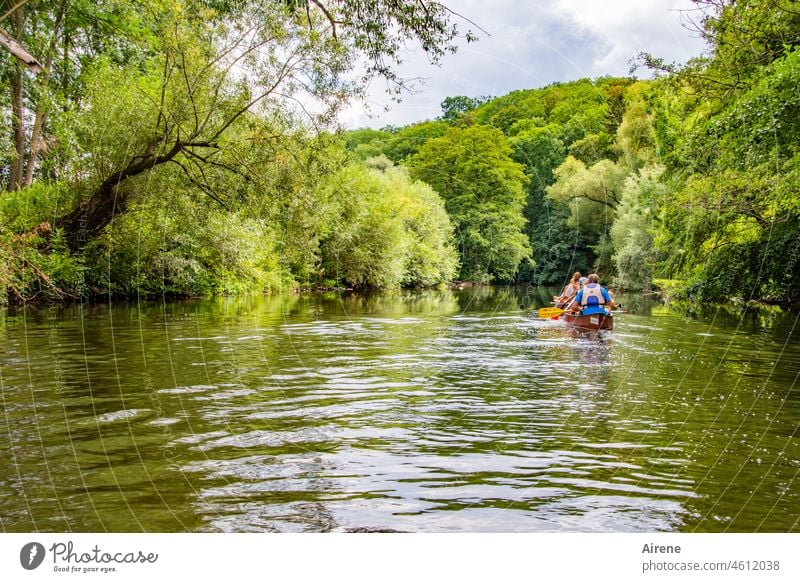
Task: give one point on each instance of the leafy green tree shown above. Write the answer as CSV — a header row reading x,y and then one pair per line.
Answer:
x,y
726,126
630,234
593,148
366,143
408,140
182,246
264,237
209,68
540,151
380,29
380,162
598,186
455,107
387,231
483,187
284,185
743,37
63,35
635,136
593,194
188,104
578,108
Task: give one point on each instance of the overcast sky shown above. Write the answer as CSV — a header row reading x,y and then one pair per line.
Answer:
x,y
533,43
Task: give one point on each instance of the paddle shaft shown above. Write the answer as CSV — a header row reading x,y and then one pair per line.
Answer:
x,y
548,312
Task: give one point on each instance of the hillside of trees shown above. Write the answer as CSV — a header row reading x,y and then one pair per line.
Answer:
x,y
691,177
173,152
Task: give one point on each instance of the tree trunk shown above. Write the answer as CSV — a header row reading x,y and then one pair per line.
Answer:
x,y
17,129
36,140
17,115
41,108
89,219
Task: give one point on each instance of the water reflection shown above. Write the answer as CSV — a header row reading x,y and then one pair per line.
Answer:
x,y
413,411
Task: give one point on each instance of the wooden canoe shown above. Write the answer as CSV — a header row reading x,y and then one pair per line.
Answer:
x,y
589,322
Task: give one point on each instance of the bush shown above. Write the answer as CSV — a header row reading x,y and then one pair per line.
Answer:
x,y
192,249
35,263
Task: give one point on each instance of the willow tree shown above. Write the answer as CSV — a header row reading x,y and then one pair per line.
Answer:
x,y
206,71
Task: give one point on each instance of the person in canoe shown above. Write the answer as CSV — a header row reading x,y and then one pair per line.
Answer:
x,y
569,291
592,299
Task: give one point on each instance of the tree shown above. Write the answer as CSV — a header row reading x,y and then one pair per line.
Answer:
x,y
483,189
366,143
630,233
745,36
186,105
593,195
386,231
455,107
540,150
64,34
407,141
211,68
379,30
725,126
635,135
600,185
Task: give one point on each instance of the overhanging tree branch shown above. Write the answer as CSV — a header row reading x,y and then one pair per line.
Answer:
x,y
11,45
328,15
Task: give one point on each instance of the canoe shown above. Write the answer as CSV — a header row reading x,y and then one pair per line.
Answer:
x,y
589,322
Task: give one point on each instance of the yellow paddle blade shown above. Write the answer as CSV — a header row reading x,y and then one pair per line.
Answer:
x,y
548,312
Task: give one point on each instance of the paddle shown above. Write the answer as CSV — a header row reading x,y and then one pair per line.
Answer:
x,y
548,312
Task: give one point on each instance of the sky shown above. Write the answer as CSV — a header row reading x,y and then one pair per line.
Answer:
x,y
532,44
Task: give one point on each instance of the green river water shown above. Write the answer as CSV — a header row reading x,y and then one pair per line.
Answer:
x,y
435,411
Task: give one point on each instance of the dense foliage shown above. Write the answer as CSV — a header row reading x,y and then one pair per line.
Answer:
x,y
729,220
692,177
145,161
386,231
180,148
482,187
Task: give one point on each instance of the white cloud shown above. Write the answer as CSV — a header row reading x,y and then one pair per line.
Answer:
x,y
631,26
532,44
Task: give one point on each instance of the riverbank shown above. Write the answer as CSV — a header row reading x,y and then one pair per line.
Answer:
x,y
671,290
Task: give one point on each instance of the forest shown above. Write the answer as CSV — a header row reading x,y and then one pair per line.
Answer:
x,y
176,149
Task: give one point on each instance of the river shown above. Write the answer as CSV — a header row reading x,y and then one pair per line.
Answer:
x,y
434,411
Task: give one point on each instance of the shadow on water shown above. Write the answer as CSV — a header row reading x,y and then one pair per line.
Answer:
x,y
438,410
